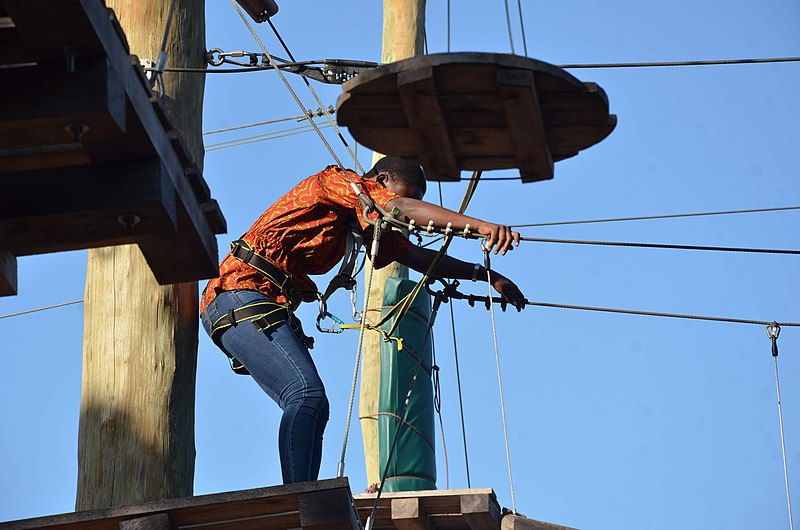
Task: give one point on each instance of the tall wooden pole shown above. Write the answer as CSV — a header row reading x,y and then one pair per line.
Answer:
x,y
136,435
403,37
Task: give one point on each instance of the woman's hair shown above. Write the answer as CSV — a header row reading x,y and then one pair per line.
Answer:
x,y
401,170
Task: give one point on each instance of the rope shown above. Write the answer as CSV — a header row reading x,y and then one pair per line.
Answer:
x,y
773,330
161,61
256,124
648,217
376,235
371,518
660,314
285,82
437,405
448,28
262,137
508,22
662,246
683,63
41,309
499,378
765,60
458,371
522,27
404,422
319,101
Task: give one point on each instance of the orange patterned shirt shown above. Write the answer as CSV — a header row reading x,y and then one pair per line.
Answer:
x,y
305,232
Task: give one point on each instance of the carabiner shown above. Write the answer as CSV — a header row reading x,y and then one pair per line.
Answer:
x,y
353,299
322,316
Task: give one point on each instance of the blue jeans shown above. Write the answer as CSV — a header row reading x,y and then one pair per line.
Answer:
x,y
283,368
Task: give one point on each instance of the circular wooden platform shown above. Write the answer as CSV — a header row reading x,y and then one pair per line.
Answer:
x,y
475,111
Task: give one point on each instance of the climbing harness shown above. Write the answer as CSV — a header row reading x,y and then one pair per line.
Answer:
x,y
264,316
242,251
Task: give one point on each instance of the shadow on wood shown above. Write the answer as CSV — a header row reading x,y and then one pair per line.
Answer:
x,y
88,157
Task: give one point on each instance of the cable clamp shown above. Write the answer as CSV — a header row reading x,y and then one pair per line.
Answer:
x,y
773,330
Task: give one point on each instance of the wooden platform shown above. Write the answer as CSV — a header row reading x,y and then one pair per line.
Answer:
x,y
322,505
475,111
465,509
88,157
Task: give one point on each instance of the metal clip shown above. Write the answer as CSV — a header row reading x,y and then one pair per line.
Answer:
x,y
357,316
333,329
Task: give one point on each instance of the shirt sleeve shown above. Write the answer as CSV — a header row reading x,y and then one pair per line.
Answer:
x,y
335,191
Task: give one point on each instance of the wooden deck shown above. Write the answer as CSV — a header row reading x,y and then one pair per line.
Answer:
x,y
463,509
475,111
88,156
322,505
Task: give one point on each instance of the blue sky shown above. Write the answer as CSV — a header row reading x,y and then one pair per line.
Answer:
x,y
614,421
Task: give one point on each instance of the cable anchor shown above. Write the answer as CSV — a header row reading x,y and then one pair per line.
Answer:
x,y
773,331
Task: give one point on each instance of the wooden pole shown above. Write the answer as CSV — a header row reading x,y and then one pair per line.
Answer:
x,y
403,37
136,435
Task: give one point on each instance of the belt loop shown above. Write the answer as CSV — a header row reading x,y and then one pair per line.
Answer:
x,y
232,317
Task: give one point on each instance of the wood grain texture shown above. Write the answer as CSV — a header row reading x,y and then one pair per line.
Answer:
x,y
276,508
136,435
403,37
475,111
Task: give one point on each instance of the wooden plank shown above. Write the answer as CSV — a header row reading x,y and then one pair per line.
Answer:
x,y
8,273
327,510
518,522
431,135
525,122
476,107
159,521
38,102
82,206
408,514
200,510
114,48
47,28
481,511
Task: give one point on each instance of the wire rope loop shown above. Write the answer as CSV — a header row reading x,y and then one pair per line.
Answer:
x,y
773,330
210,57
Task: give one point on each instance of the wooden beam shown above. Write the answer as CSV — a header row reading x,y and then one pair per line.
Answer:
x,y
518,522
409,514
82,206
8,273
481,511
159,521
115,49
46,32
39,103
525,122
226,510
327,510
417,90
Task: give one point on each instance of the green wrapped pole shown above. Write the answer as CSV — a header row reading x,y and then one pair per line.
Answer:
x,y
413,463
